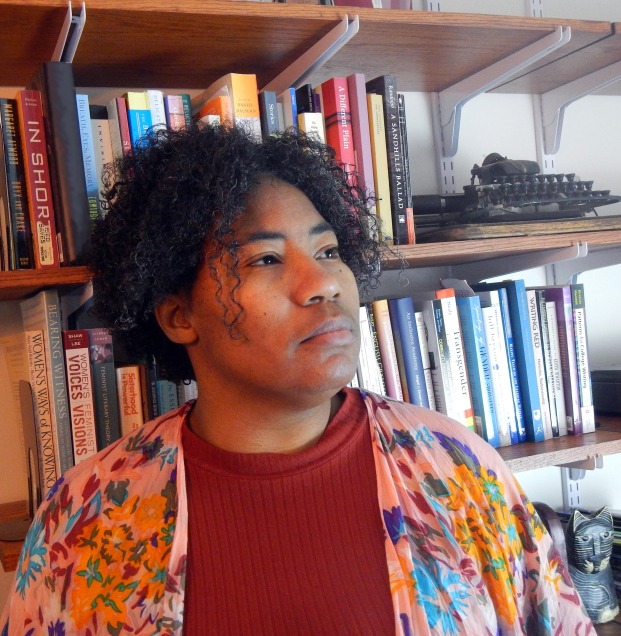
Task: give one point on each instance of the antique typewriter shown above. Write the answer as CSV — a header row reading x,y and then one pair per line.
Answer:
x,y
507,191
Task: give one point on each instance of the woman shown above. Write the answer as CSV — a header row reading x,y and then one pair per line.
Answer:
x,y
279,502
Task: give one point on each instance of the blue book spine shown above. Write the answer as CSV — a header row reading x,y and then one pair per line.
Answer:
x,y
139,124
524,356
515,384
477,360
268,109
88,156
402,309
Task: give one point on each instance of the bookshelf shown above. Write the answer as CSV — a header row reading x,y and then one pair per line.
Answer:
x,y
188,44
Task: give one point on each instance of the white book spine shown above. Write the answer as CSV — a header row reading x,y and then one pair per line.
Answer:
x,y
557,378
424,352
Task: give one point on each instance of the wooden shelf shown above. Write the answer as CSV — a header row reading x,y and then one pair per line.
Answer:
x,y
567,449
9,550
25,282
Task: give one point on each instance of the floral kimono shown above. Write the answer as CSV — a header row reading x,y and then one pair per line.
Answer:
x,y
466,554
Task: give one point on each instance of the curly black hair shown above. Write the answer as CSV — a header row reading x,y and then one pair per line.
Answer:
x,y
179,189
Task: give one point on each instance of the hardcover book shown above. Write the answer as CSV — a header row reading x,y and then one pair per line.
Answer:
x,y
42,312
403,130
107,422
54,81
80,390
38,185
48,468
386,86
13,198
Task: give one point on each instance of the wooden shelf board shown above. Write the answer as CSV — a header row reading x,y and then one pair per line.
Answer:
x,y
9,550
19,284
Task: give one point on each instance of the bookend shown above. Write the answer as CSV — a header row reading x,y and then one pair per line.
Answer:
x,y
16,529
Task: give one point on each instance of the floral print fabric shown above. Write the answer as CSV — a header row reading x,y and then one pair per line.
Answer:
x,y
466,554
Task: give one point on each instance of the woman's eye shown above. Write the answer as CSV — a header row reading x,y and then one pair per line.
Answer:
x,y
331,253
268,259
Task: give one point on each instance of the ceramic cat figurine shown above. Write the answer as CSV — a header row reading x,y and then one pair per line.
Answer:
x,y
589,547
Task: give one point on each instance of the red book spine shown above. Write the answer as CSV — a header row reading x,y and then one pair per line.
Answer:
x,y
337,116
38,184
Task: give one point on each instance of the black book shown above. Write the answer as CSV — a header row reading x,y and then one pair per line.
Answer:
x,y
55,82
386,86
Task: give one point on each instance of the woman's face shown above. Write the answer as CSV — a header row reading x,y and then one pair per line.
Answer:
x,y
299,301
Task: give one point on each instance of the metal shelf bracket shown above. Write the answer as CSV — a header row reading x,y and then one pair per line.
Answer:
x,y
70,33
305,65
554,102
451,100
562,273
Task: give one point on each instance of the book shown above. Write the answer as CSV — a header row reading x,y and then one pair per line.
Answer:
x,y
107,422
148,390
167,399
305,99
55,83
217,110
268,112
407,180
582,357
241,88
376,348
369,371
187,108
38,185
288,109
424,354
175,112
479,369
386,86
538,351
88,156
130,398
186,390
43,312
13,190
80,390
379,154
561,296
547,359
555,368
48,469
313,125
336,109
524,355
157,107
403,320
120,136
102,145
356,86
387,349
138,115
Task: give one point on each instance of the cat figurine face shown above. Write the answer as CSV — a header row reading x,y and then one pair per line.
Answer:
x,y
589,540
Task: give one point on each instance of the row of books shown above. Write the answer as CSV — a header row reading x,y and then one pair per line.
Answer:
x,y
508,361
82,398
55,143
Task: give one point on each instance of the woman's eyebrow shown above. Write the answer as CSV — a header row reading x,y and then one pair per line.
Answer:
x,y
267,235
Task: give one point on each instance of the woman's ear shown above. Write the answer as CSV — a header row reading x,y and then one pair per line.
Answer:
x,y
173,318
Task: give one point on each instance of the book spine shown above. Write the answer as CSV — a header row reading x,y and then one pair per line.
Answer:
x,y
175,115
387,349
186,390
379,152
101,351
19,232
479,370
100,131
501,383
407,179
187,109
130,398
336,109
312,125
513,368
556,373
268,110
305,99
56,84
120,137
166,396
386,86
547,359
402,314
41,207
244,94
396,337
582,357
421,332
374,355
155,99
288,105
37,367
138,115
88,156
356,86
80,389
535,330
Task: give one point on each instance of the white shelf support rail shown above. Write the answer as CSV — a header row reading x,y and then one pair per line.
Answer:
x,y
297,72
63,35
451,100
534,8
76,26
567,271
505,265
554,102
